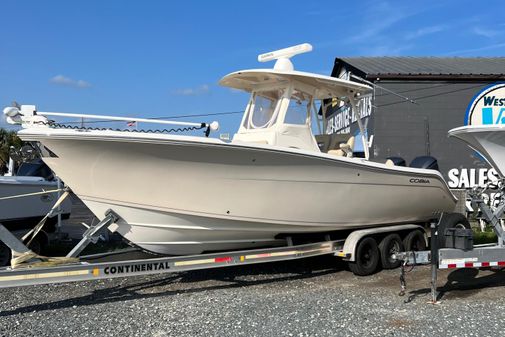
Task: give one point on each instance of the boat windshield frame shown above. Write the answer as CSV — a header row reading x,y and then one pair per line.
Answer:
x,y
281,97
306,100
253,108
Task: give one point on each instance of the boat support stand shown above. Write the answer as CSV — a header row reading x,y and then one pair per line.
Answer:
x,y
92,234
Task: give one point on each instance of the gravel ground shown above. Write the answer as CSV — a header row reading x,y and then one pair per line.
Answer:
x,y
311,297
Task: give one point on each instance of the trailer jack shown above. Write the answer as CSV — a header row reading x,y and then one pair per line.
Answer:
x,y
414,258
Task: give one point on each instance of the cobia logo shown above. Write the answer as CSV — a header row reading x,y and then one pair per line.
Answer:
x,y
487,107
419,181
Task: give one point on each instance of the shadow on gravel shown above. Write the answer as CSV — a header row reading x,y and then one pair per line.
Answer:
x,y
235,277
463,283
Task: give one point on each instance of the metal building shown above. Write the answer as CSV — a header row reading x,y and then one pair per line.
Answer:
x,y
416,101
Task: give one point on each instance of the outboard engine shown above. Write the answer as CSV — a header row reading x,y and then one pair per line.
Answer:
x,y
425,162
398,161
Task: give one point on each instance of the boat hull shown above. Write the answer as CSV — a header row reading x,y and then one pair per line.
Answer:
x,y
179,196
25,212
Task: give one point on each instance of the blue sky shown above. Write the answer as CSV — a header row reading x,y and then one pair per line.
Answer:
x,y
164,58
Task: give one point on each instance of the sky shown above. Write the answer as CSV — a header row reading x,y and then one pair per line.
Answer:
x,y
165,58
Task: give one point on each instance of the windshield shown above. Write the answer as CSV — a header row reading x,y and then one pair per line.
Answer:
x,y
262,112
298,109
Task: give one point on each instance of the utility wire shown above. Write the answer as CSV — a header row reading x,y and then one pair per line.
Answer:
x,y
436,95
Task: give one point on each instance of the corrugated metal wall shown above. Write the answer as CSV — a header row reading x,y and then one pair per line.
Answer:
x,y
408,130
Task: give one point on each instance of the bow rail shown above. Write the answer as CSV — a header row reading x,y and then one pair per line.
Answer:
x,y
28,115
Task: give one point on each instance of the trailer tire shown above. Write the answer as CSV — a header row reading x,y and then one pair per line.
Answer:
x,y
367,257
390,245
5,255
414,241
451,220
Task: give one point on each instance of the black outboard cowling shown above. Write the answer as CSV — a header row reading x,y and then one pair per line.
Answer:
x,y
398,161
425,162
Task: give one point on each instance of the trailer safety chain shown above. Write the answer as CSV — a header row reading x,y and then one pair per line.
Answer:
x,y
403,272
53,124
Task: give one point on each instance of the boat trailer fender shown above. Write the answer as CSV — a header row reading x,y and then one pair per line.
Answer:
x,y
351,242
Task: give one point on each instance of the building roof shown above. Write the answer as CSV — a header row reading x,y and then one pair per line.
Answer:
x,y
423,67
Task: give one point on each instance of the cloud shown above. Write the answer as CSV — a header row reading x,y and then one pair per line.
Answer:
x,y
69,82
380,17
424,31
388,49
200,90
379,30
380,22
478,49
489,33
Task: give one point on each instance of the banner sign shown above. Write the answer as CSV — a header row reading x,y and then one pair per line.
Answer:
x,y
487,107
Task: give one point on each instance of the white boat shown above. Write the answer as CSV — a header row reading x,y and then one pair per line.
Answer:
x,y
179,194
26,211
488,140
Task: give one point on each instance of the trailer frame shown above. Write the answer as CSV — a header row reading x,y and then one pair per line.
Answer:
x,y
84,271
75,269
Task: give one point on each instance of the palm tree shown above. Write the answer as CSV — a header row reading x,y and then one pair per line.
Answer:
x,y
7,139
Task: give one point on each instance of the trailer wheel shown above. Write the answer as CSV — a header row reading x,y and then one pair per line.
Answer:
x,y
367,257
451,220
414,241
390,245
5,255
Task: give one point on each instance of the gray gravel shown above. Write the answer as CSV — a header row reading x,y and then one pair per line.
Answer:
x,y
312,297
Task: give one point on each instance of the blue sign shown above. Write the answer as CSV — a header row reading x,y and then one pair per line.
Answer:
x,y
487,107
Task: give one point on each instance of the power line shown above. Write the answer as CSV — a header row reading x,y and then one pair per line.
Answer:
x,y
435,94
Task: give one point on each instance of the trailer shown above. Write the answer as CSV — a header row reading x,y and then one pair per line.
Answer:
x,y
366,250
451,244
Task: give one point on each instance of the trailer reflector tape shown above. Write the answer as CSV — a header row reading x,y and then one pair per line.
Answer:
x,y
471,265
342,254
193,262
456,261
43,275
204,261
280,254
